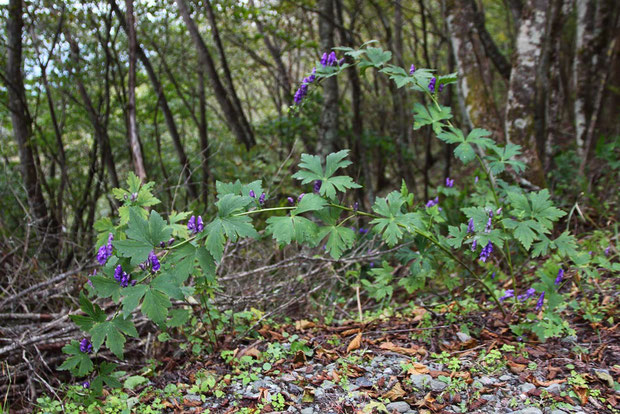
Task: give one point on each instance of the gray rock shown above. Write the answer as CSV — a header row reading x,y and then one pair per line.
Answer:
x,y
327,385
506,378
363,382
295,389
307,410
528,410
319,393
420,381
399,406
557,412
487,380
463,337
554,389
488,397
438,386
526,387
192,397
388,371
433,366
477,384
569,339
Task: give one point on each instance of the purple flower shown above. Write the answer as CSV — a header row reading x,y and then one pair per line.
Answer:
x,y
86,346
154,261
431,203
195,224
371,264
449,182
489,225
486,252
476,180
528,294
105,251
441,87
470,226
317,186
412,69
309,79
171,241
261,199
356,206
431,85
301,93
540,302
331,59
86,384
290,200
508,294
341,62
559,277
125,280
252,194
324,59
498,212
300,197
363,230
134,197
607,250
118,273
493,275
474,244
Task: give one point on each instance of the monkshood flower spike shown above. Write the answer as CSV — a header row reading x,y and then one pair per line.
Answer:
x,y
449,182
508,294
85,346
105,251
153,261
470,226
528,294
540,302
486,252
560,276
261,199
431,85
412,69
195,224
317,186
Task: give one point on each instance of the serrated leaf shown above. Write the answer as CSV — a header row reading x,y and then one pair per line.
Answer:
x,y
106,287
430,115
309,202
134,381
132,297
155,305
178,317
311,170
457,234
340,239
286,229
79,363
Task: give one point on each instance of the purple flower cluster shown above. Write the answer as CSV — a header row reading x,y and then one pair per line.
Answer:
x,y
86,384
363,230
153,261
317,186
300,197
303,88
86,346
541,300
105,251
559,277
331,60
431,203
470,226
489,226
449,182
122,277
261,199
474,245
508,294
290,200
607,250
168,243
412,69
486,252
431,85
528,294
252,194
195,224
441,87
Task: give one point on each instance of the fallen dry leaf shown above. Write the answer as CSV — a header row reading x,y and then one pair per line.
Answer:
x,y
355,343
395,393
582,392
389,346
419,314
349,332
304,324
516,368
418,368
538,383
253,352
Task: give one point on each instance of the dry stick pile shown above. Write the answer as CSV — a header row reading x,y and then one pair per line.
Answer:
x,y
252,274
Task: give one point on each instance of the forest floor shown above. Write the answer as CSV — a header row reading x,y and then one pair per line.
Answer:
x,y
413,362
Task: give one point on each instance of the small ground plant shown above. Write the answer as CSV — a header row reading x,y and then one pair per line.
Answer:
x,y
156,265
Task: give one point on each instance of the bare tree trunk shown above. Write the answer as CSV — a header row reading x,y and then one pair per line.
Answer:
x,y
522,92
490,48
136,150
21,121
203,132
233,117
163,104
475,95
328,123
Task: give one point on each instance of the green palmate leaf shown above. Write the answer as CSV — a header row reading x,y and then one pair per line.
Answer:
x,y
430,116
480,216
106,376
543,210
112,333
79,363
311,169
106,287
525,231
399,75
393,222
566,245
381,285
178,317
155,305
457,235
142,235
168,284
340,239
292,228
207,263
505,156
464,151
309,202
132,297
447,79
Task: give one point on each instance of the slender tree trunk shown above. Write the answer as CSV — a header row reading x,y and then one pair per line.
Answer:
x,y
21,121
203,132
475,95
233,117
522,91
328,123
490,48
163,104
136,150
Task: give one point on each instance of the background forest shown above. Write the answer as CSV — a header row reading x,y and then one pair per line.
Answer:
x,y
193,94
